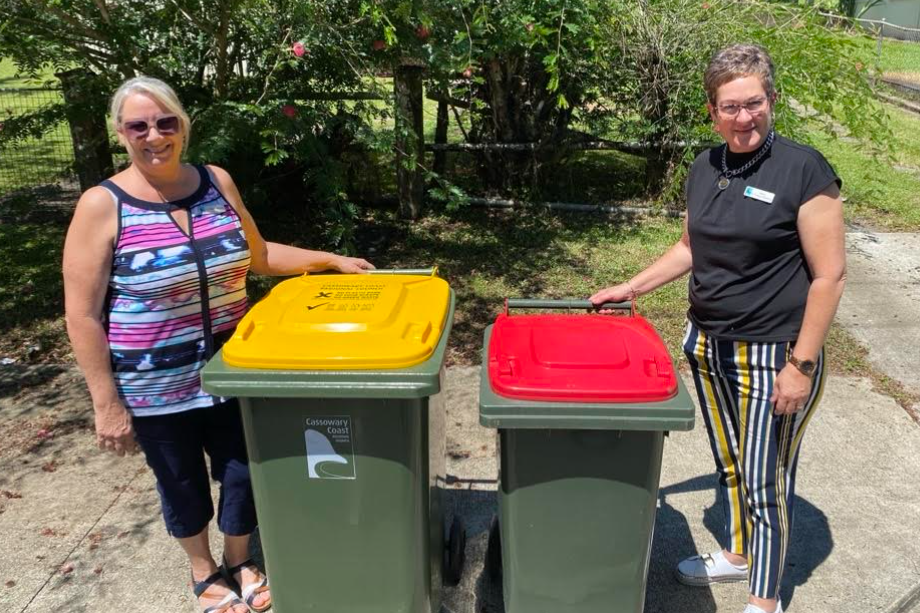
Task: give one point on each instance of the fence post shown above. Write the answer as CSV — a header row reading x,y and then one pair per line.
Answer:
x,y
85,109
878,53
410,139
440,137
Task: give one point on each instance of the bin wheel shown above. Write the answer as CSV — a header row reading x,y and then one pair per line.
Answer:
x,y
454,553
494,551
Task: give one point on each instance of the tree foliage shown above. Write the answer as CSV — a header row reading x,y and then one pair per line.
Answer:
x,y
274,113
261,78
666,45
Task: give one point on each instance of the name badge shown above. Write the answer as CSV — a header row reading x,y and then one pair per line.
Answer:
x,y
759,194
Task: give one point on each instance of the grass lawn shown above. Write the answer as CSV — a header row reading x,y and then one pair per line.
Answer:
x,y
906,127
896,56
900,56
31,291
880,192
8,77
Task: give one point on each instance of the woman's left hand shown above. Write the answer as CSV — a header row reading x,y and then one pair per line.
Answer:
x,y
790,391
349,265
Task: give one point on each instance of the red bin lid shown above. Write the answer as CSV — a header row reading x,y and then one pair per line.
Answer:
x,y
579,358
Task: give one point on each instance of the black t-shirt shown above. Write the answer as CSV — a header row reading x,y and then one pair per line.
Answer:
x,y
750,279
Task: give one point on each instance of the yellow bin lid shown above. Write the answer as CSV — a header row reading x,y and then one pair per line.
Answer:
x,y
342,322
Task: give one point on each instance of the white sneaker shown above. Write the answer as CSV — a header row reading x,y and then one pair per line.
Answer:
x,y
710,568
755,609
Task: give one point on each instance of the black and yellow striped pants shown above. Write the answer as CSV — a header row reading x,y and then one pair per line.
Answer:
x,y
756,452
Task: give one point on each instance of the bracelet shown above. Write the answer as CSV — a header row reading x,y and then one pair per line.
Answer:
x,y
632,290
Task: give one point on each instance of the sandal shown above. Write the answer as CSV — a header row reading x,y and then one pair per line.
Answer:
x,y
230,600
710,568
249,591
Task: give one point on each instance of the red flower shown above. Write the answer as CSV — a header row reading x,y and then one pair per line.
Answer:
x,y
290,110
422,33
298,49
379,45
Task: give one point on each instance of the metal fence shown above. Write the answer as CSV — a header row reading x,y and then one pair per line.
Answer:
x,y
896,48
897,55
33,161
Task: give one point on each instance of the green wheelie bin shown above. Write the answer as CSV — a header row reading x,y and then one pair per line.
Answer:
x,y
340,381
582,403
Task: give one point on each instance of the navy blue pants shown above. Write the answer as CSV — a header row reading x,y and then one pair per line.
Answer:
x,y
175,446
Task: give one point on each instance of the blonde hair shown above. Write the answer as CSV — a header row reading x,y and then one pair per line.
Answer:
x,y
737,61
159,92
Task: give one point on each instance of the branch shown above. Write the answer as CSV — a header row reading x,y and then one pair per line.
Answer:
x,y
103,10
204,27
268,77
347,42
223,30
466,136
437,97
559,31
85,47
72,21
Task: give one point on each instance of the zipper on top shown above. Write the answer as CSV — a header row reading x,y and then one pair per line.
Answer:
x,y
203,288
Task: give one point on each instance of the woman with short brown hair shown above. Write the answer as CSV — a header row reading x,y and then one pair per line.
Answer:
x,y
764,242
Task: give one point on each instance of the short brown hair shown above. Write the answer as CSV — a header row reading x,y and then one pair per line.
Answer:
x,y
736,61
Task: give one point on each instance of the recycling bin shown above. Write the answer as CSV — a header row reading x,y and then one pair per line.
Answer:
x,y
582,403
340,381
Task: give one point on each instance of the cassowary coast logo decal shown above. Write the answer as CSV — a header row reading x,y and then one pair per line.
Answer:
x,y
330,449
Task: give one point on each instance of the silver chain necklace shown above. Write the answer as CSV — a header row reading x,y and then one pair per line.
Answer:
x,y
726,177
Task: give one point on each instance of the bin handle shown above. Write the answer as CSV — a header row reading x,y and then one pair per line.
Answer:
x,y
425,272
549,303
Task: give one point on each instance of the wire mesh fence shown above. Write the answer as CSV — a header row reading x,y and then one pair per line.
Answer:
x,y
895,49
892,50
897,54
32,157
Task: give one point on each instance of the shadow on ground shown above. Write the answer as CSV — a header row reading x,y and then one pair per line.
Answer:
x,y
812,543
810,546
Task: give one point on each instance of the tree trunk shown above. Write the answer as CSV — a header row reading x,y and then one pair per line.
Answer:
x,y
222,42
440,138
86,109
410,140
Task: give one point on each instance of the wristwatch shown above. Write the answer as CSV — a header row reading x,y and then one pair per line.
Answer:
x,y
806,367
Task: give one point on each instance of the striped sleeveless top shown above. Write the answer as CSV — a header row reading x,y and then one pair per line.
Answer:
x,y
173,298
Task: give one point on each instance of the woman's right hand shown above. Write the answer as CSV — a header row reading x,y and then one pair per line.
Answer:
x,y
113,428
615,293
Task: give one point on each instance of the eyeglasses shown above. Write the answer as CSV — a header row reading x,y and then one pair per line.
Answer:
x,y
753,107
167,125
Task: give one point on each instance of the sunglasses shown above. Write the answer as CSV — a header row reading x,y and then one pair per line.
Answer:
x,y
166,125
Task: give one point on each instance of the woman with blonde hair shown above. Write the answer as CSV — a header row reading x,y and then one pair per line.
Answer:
x,y
763,242
155,266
